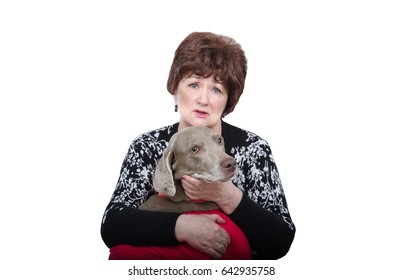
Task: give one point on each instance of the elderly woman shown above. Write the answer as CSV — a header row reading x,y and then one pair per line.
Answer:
x,y
206,80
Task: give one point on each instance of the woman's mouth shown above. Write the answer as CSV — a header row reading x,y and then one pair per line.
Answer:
x,y
200,114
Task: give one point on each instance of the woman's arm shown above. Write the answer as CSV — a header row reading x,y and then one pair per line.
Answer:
x,y
263,212
122,222
139,228
269,235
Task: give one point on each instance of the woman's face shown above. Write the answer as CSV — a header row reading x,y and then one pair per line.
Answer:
x,y
201,102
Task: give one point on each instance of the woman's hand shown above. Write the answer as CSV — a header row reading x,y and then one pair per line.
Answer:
x,y
203,234
226,195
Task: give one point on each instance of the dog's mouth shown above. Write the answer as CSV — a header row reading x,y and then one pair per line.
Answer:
x,y
228,178
213,179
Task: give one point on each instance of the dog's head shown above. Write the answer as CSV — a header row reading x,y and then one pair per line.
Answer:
x,y
195,151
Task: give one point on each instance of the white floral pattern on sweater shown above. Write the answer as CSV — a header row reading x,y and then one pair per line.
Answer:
x,y
257,174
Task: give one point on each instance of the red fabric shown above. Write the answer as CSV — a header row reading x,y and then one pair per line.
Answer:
x,y
239,248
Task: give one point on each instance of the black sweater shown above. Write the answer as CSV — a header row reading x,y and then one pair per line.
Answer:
x,y
262,213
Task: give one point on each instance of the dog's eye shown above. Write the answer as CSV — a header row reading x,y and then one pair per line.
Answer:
x,y
195,149
220,141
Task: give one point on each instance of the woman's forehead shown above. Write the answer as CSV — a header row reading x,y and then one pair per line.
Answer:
x,y
200,76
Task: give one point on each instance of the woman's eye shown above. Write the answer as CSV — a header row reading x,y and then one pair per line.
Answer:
x,y
194,149
193,85
217,90
220,141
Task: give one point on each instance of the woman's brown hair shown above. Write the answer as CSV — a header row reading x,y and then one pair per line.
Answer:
x,y
206,54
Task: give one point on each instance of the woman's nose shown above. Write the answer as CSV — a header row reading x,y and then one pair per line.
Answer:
x,y
203,97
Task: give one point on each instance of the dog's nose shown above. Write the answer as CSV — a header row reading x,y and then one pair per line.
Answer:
x,y
229,164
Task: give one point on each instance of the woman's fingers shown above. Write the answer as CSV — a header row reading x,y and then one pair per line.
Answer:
x,y
202,233
216,218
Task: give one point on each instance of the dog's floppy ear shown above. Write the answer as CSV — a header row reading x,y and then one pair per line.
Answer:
x,y
163,180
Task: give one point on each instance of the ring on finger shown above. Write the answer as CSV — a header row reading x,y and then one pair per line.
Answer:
x,y
200,187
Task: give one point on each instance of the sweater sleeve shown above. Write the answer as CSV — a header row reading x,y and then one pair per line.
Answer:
x,y
268,234
263,213
122,222
139,228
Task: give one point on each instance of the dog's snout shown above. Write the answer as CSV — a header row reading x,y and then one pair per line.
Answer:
x,y
229,164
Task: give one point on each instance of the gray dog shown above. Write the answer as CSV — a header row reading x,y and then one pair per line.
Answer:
x,y
196,151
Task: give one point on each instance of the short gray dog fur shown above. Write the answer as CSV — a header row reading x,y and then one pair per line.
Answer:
x,y
196,151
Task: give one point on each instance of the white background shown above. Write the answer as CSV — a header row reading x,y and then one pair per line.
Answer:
x,y
80,79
